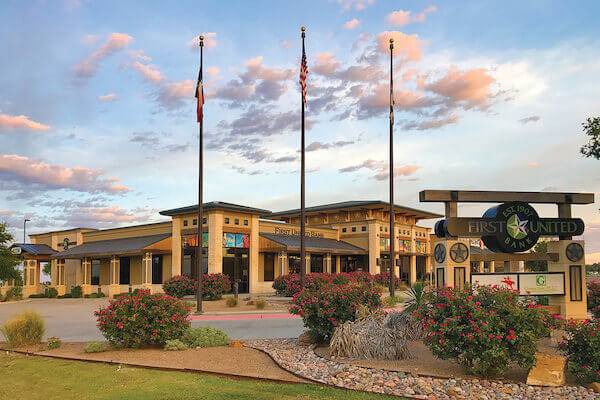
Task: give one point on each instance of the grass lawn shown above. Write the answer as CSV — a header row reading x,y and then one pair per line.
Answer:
x,y
29,377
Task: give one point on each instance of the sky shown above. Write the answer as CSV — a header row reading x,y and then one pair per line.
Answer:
x,y
97,110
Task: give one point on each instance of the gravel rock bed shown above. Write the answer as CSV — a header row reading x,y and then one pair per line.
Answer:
x,y
303,361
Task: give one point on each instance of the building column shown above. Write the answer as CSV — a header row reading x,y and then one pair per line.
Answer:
x,y
60,277
412,273
481,266
214,227
307,266
176,247
374,246
573,304
253,257
147,271
492,267
86,275
114,288
337,264
282,263
327,262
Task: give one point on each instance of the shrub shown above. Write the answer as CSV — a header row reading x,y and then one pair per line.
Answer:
x,y
215,286
95,346
143,319
289,285
383,279
392,301
179,286
175,345
53,343
231,301
37,296
65,296
593,298
484,328
76,292
24,330
204,336
14,293
52,293
582,347
324,309
260,303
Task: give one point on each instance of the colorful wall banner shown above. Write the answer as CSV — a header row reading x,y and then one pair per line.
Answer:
x,y
237,240
191,240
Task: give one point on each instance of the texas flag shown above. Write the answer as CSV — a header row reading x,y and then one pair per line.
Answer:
x,y
199,96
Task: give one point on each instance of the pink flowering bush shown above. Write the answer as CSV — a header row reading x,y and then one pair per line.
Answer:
x,y
383,279
582,347
484,328
593,298
214,286
143,319
324,309
289,285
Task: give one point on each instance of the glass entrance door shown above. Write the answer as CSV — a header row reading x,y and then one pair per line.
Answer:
x,y
236,265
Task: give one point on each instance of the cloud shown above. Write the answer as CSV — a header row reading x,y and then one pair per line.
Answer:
x,y
352,24
533,118
88,67
150,73
268,90
401,17
378,101
264,122
434,123
213,72
234,90
20,122
210,41
470,88
314,146
107,216
533,164
35,175
286,45
354,4
326,64
255,70
171,95
382,169
108,98
406,46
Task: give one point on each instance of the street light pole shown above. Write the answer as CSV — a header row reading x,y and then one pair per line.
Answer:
x,y
25,221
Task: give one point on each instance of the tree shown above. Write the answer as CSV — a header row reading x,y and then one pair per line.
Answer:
x,y
538,266
8,260
591,127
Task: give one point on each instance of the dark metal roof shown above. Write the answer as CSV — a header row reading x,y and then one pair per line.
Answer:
x,y
215,205
351,204
115,247
479,250
35,249
313,243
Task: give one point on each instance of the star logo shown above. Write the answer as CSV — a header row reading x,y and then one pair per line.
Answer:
x,y
517,228
459,252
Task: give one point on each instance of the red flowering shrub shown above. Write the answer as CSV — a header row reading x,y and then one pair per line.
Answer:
x,y
582,347
143,319
383,279
179,286
324,309
289,285
484,328
593,298
214,286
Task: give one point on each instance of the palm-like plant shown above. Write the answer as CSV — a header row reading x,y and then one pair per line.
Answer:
x,y
416,297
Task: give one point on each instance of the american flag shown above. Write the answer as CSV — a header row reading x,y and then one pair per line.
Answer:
x,y
303,73
199,96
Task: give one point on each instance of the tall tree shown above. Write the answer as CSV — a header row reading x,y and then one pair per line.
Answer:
x,y
538,266
591,127
8,260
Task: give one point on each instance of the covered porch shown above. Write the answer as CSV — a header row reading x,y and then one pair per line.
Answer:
x,y
33,256
116,266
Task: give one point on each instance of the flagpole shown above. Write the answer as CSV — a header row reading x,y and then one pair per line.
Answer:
x,y
302,192
392,230
200,178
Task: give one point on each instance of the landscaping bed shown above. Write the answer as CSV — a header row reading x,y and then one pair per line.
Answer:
x,y
242,306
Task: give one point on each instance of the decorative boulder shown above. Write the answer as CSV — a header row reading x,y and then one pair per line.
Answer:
x,y
548,371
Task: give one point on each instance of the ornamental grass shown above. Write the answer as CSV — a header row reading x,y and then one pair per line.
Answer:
x,y
24,330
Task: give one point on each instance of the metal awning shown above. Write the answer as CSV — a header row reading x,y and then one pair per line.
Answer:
x,y
314,244
117,247
35,249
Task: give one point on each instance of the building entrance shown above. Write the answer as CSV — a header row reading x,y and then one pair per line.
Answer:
x,y
236,265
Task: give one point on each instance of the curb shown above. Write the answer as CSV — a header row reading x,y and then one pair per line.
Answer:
x,y
241,317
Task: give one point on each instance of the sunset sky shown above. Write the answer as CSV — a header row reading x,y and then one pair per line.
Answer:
x,y
97,119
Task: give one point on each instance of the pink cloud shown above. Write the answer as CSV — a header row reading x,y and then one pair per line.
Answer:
x,y
171,94
108,97
434,123
326,64
150,73
382,169
286,45
213,71
470,87
20,122
29,172
352,24
255,70
407,46
88,67
401,17
354,4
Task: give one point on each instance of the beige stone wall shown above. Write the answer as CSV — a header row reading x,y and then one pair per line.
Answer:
x,y
127,232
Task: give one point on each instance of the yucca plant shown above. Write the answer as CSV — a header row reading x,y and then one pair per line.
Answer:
x,y
416,297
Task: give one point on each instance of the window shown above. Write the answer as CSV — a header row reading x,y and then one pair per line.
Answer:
x,y
236,221
459,277
203,221
185,222
195,221
381,229
386,228
343,229
157,270
124,273
95,278
439,277
364,229
246,222
353,229
575,282
269,267
226,220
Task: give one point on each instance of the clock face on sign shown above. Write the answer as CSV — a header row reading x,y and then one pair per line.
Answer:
x,y
439,253
459,252
574,252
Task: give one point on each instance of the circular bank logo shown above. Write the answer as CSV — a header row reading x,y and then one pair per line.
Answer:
x,y
516,222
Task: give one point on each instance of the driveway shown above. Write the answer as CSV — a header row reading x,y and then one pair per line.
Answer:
x,y
72,320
